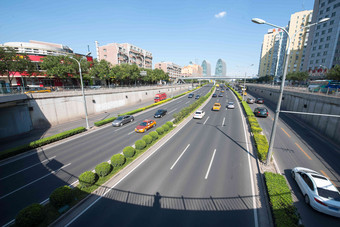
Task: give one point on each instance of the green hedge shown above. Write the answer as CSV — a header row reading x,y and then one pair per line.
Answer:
x,y
87,179
129,152
31,215
140,144
166,127
261,145
103,169
61,196
170,124
248,110
147,139
38,143
285,214
160,130
105,121
118,160
154,135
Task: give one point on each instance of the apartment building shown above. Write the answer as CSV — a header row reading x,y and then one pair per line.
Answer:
x,y
124,53
171,68
192,71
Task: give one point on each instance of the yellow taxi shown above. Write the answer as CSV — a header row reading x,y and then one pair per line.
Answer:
x,y
217,106
145,125
222,91
37,90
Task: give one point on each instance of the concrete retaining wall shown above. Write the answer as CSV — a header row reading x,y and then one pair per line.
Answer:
x,y
310,103
48,111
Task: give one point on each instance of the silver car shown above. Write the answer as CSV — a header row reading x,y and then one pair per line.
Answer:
x,y
123,120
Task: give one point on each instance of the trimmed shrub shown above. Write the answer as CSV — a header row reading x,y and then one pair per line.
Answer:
x,y
87,179
166,127
285,214
118,160
103,169
154,135
31,215
105,121
170,124
160,130
140,144
147,139
261,145
248,110
61,196
129,152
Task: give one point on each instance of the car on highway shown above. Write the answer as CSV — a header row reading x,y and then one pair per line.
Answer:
x,y
145,125
231,105
214,95
216,106
318,191
260,112
199,114
197,97
190,95
220,95
222,91
259,101
250,100
160,113
121,120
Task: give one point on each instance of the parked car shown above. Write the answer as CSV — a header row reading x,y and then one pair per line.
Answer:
x,y
260,112
216,106
160,113
123,120
214,95
197,97
190,95
231,105
145,125
259,101
250,100
318,191
199,114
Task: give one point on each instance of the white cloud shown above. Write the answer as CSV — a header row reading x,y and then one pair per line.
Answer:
x,y
221,14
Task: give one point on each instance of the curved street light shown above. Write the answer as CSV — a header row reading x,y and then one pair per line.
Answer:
x,y
277,111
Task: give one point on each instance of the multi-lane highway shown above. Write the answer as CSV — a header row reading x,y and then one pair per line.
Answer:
x,y
32,177
203,176
297,144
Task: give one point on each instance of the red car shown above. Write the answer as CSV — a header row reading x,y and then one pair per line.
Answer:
x,y
145,125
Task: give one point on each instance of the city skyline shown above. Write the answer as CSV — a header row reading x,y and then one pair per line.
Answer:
x,y
196,30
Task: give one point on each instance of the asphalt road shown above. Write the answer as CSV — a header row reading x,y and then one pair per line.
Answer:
x,y
297,144
32,177
202,176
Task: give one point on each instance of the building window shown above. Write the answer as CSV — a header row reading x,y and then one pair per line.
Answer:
x,y
324,53
328,8
324,24
336,5
328,38
330,30
323,32
330,1
316,41
321,12
333,14
331,22
105,56
323,60
323,4
326,45
316,61
320,47
313,55
311,62
318,27
104,50
321,40
314,48
318,54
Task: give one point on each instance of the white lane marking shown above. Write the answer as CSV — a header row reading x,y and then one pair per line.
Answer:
x,y
211,161
131,132
187,102
206,120
179,157
223,121
250,170
34,181
28,168
120,128
173,110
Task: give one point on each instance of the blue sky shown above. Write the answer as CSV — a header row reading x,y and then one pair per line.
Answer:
x,y
177,31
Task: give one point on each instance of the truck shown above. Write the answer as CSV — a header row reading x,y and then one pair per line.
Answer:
x,y
160,97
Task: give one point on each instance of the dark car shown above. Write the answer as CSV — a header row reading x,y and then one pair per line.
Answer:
x,y
214,95
123,120
190,95
160,113
197,97
261,112
259,101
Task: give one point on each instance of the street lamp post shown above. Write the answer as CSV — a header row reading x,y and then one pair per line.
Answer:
x,y
82,91
277,111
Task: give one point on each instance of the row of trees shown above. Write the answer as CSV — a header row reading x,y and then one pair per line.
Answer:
x,y
64,68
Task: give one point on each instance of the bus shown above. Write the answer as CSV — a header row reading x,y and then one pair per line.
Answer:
x,y
324,86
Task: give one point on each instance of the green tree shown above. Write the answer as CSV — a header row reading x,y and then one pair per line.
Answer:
x,y
297,76
101,70
12,62
334,73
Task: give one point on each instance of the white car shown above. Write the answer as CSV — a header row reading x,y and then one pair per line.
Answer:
x,y
231,105
199,114
318,191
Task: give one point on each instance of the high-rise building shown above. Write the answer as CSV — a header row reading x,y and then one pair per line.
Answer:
x,y
124,53
298,43
192,70
206,68
323,47
171,68
221,68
